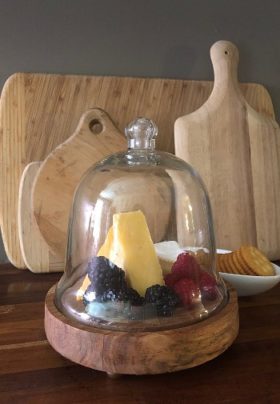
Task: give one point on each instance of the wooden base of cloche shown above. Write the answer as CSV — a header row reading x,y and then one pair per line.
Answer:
x,y
124,352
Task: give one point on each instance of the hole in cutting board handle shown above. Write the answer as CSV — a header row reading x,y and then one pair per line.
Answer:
x,y
95,126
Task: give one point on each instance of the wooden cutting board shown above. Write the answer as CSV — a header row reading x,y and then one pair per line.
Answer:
x,y
35,251
237,152
95,137
40,111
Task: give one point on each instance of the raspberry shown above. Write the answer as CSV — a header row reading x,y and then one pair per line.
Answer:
x,y
185,266
208,286
171,279
187,279
187,290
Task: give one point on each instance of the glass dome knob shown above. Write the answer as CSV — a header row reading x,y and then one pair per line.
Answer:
x,y
141,134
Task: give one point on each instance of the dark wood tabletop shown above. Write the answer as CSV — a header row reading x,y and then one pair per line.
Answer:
x,y
32,372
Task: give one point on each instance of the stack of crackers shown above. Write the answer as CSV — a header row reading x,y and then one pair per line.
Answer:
x,y
247,260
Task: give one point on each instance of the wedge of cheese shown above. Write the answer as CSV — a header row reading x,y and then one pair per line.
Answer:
x,y
129,246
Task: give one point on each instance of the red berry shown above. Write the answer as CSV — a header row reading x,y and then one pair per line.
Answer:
x,y
171,279
187,290
208,286
187,266
188,280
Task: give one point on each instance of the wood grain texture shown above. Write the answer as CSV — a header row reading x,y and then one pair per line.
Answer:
x,y
35,251
31,371
128,352
236,150
62,170
40,111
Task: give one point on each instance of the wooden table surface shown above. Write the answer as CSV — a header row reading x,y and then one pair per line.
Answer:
x,y
32,372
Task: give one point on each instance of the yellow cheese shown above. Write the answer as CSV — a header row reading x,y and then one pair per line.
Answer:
x,y
107,246
129,246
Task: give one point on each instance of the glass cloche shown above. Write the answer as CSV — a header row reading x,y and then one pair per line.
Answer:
x,y
141,247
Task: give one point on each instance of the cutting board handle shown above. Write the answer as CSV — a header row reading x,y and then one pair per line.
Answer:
x,y
225,57
97,121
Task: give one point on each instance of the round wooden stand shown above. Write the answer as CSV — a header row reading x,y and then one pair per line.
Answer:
x,y
124,352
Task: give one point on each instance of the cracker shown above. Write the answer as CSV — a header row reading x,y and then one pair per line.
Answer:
x,y
237,264
202,257
232,265
257,261
245,269
225,263
219,262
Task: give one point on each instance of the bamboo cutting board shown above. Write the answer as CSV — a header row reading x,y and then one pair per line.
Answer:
x,y
35,251
40,111
236,150
95,137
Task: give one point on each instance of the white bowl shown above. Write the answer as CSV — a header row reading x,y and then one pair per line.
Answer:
x,y
249,285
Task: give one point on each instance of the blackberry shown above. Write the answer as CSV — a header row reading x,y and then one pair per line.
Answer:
x,y
134,297
163,298
89,295
105,276
122,295
110,295
97,264
108,284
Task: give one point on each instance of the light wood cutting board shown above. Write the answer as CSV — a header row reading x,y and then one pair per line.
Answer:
x,y
35,251
236,150
94,138
62,170
40,111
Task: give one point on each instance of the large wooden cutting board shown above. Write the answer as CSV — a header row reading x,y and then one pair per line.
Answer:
x,y
59,175
35,251
39,111
237,152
